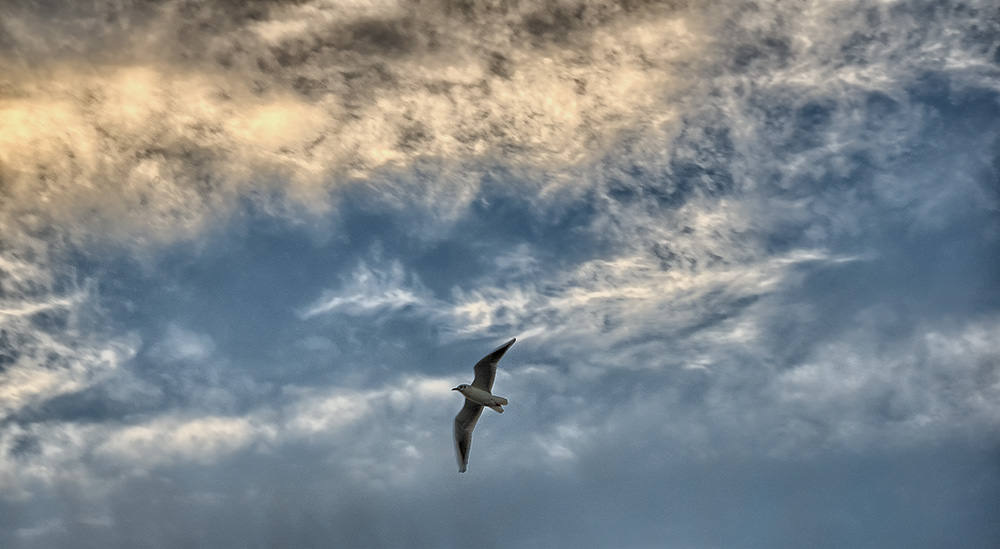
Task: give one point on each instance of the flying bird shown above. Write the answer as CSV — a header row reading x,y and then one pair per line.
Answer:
x,y
477,395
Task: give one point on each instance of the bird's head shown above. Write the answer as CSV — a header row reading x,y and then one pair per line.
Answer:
x,y
461,387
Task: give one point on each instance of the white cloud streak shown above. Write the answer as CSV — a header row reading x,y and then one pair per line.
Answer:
x,y
89,453
371,291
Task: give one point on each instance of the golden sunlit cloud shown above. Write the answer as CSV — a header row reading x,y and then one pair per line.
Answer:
x,y
154,148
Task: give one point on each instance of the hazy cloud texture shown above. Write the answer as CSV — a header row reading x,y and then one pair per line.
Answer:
x,y
749,251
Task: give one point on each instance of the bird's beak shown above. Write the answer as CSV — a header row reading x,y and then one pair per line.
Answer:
x,y
454,388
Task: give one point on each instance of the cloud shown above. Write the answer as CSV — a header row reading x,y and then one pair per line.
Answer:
x,y
179,344
853,394
388,417
154,145
371,291
724,234
163,441
46,346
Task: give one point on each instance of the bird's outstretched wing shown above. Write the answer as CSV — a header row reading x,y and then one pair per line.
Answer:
x,y
486,369
465,422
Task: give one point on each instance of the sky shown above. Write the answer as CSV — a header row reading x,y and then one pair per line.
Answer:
x,y
750,252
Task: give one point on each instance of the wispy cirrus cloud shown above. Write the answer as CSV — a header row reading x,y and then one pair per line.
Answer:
x,y
46,347
371,291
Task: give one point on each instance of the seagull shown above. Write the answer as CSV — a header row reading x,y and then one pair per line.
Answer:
x,y
477,395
